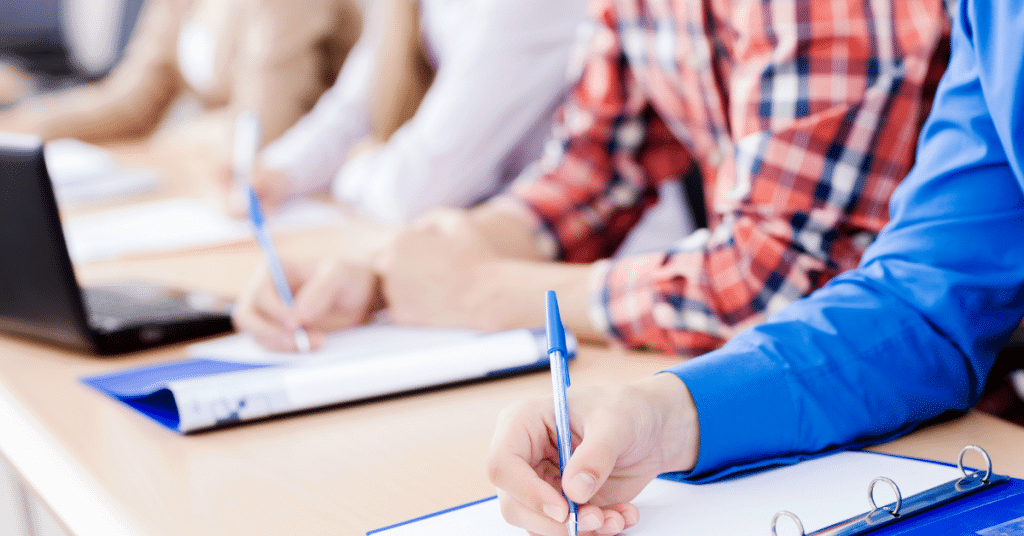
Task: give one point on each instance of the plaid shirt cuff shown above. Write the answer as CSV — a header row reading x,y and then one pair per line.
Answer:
x,y
630,305
623,300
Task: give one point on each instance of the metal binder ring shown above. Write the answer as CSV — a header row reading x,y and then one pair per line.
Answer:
x,y
791,515
871,495
988,461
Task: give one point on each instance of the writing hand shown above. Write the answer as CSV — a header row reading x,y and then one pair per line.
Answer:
x,y
329,295
624,435
432,273
270,185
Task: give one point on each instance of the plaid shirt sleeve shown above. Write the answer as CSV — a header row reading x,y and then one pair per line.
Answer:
x,y
600,170
819,124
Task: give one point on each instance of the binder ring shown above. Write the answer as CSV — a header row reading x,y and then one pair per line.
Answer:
x,y
988,461
791,515
871,495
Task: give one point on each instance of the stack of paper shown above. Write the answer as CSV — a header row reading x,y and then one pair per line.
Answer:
x,y
83,173
176,224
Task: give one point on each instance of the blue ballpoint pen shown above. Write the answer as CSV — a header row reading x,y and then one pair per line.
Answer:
x,y
247,142
557,351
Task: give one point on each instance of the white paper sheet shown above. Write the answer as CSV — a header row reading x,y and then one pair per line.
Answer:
x,y
177,224
83,173
349,344
821,492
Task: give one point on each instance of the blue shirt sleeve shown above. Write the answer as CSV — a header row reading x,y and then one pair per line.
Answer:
x,y
913,331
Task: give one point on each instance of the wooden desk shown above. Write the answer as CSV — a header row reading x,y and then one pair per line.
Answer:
x,y
106,470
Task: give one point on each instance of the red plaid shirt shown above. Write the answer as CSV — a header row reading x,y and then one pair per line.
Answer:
x,y
802,116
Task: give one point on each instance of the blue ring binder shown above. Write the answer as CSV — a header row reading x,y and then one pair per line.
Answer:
x,y
881,516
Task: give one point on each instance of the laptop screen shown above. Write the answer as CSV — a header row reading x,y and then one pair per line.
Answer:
x,y
39,295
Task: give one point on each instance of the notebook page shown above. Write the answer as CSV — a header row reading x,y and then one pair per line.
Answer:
x,y
83,173
177,224
821,492
348,344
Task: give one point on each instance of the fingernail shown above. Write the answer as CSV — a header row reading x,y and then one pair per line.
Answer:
x,y
612,527
631,516
555,512
588,522
582,485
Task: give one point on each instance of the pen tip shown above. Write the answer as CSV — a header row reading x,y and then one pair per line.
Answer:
x,y
302,342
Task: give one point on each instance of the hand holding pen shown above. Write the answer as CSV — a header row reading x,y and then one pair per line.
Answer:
x,y
332,294
247,142
628,434
558,358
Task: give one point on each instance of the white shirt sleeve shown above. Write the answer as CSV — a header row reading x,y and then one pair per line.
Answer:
x,y
485,115
311,152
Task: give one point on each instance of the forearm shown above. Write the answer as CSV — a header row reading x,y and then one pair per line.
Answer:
x,y
506,293
127,102
125,105
522,274
910,334
510,231
478,269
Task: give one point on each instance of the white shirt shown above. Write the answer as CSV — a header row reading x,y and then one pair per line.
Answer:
x,y
500,75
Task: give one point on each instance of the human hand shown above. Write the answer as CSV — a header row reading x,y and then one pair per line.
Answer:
x,y
624,436
445,270
14,85
430,272
270,185
9,122
329,295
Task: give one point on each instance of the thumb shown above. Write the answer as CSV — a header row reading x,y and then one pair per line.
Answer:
x,y
594,459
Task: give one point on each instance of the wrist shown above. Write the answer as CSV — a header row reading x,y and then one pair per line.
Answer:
x,y
510,230
680,430
519,287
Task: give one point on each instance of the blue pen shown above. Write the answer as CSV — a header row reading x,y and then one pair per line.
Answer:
x,y
557,351
247,142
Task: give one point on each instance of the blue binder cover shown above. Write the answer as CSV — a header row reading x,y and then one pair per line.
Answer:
x,y
144,388
248,384
997,511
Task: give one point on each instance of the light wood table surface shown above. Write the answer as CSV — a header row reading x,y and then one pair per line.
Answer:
x,y
344,470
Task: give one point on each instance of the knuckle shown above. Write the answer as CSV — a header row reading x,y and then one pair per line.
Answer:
x,y
495,470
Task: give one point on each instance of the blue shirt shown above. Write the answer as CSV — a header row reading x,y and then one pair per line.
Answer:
x,y
913,331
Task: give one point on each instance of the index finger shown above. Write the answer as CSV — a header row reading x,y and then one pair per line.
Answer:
x,y
524,463
261,298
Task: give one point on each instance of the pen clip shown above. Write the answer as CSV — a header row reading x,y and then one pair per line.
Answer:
x,y
556,333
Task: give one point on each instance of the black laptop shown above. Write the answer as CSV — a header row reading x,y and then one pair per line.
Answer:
x,y
39,295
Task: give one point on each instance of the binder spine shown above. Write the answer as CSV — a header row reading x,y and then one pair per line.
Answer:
x,y
902,508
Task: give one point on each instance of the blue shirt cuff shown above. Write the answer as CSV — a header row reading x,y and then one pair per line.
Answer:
x,y
744,409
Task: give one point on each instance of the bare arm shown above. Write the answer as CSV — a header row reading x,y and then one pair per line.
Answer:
x,y
128,102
